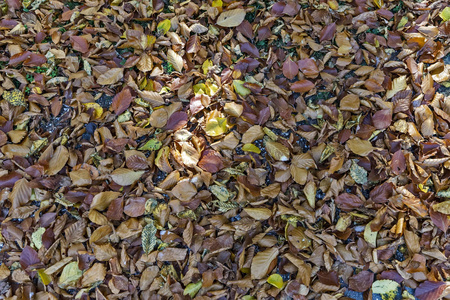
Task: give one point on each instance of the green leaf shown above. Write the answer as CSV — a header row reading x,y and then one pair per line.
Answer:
x,y
445,14
45,279
276,280
164,26
251,148
248,297
359,174
149,237
192,289
151,145
240,88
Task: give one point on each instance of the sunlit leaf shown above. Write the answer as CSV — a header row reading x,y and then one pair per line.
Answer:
x,y
192,289
151,145
164,26
276,280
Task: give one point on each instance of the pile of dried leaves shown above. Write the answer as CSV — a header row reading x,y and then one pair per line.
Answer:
x,y
224,150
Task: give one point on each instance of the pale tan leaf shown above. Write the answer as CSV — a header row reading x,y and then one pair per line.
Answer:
x,y
261,263
398,84
124,177
110,77
20,194
360,147
231,18
184,190
278,151
95,274
102,200
259,213
58,161
145,63
154,98
175,59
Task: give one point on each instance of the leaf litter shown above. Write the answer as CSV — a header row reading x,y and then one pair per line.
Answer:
x,y
224,150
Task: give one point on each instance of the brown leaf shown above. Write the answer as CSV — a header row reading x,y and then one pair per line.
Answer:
x,y
121,101
382,119
177,120
58,160
308,67
328,32
398,162
261,263
302,86
430,290
290,68
348,201
110,77
211,161
361,282
79,43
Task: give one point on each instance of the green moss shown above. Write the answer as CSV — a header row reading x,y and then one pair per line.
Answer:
x,y
168,68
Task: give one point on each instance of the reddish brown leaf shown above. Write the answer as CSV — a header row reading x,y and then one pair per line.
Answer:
x,y
18,58
361,282
308,67
250,49
327,33
348,201
302,86
382,119
177,120
430,290
382,193
193,44
79,43
29,257
290,68
398,163
35,60
440,220
121,101
211,161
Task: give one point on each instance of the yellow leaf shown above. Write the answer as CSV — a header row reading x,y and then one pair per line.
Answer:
x,y
360,147
370,236
14,97
333,4
199,88
216,125
206,64
164,26
240,88
217,3
276,280
46,279
310,193
378,3
98,110
445,14
251,148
